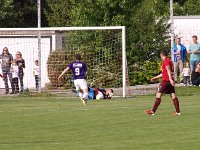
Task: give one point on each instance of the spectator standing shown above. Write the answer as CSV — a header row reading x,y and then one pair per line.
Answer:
x,y
180,54
186,74
195,77
194,51
6,60
15,75
21,64
36,74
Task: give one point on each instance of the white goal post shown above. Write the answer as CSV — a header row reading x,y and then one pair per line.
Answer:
x,y
123,38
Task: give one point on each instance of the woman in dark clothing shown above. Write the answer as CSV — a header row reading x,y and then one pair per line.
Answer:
x,y
21,64
6,60
195,77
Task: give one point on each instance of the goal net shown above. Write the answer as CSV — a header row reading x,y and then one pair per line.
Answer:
x,y
101,48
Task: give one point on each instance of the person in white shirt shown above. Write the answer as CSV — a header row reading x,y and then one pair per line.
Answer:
x,y
186,74
36,74
15,73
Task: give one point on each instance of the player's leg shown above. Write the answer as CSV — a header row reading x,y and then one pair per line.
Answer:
x,y
176,103
85,93
157,101
77,84
84,88
161,89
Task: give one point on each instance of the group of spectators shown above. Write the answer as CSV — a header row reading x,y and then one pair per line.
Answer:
x,y
13,69
187,70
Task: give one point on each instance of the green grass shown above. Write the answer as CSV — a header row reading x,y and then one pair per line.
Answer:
x,y
53,123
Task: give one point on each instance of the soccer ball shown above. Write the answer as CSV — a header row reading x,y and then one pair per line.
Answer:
x,y
98,96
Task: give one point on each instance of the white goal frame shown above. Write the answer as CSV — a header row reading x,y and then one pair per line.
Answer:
x,y
122,28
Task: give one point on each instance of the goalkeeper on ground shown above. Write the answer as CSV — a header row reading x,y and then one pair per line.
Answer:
x,y
98,93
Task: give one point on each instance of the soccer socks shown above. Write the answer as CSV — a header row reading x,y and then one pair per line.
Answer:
x,y
156,104
85,96
176,104
80,95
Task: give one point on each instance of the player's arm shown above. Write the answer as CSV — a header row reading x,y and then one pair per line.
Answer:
x,y
170,75
66,70
156,77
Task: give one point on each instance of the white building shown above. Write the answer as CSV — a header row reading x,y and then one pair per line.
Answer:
x,y
26,41
187,26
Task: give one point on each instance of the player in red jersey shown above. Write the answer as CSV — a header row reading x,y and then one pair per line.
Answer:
x,y
166,86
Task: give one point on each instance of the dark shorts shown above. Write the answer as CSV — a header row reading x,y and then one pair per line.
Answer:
x,y
166,87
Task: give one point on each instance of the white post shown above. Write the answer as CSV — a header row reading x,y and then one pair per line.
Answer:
x,y
124,60
39,42
172,30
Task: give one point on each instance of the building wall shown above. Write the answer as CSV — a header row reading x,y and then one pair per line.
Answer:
x,y
187,26
28,46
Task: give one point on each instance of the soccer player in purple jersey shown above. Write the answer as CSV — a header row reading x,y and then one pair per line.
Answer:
x,y
79,70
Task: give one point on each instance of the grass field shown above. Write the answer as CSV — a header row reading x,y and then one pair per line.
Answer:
x,y
55,123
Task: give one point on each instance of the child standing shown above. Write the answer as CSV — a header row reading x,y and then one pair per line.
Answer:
x,y
36,74
186,74
15,72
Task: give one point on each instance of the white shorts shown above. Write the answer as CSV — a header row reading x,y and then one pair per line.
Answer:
x,y
80,84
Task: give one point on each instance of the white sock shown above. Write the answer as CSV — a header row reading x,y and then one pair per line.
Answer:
x,y
85,96
80,95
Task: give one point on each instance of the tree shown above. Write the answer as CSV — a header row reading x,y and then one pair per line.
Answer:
x,y
145,21
148,33
58,12
191,7
17,13
8,15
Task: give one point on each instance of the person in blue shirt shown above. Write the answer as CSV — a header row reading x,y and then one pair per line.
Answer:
x,y
79,70
180,53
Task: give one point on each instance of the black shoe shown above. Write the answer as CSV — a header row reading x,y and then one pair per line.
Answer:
x,y
6,92
12,93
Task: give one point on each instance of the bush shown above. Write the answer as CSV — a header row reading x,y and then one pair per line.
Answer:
x,y
57,62
141,73
98,74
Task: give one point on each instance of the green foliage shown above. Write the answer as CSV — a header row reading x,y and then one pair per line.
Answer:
x,y
8,15
100,50
58,12
141,73
57,62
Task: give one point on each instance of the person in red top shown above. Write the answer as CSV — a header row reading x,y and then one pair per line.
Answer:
x,y
166,86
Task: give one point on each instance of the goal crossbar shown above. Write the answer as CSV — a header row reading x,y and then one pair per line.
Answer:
x,y
65,28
